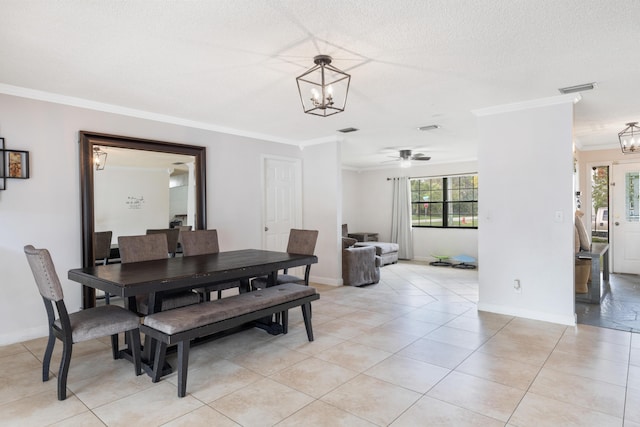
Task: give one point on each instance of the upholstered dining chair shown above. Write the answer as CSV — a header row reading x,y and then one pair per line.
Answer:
x,y
300,242
102,246
172,234
151,247
201,242
182,229
102,251
84,325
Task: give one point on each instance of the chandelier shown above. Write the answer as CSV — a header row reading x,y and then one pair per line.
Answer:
x,y
99,158
323,88
630,138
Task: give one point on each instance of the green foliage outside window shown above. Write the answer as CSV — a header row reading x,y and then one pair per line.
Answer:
x,y
445,202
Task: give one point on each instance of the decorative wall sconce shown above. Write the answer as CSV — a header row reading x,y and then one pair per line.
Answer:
x,y
99,158
14,164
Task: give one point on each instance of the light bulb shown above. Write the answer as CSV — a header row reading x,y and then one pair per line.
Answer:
x,y
330,90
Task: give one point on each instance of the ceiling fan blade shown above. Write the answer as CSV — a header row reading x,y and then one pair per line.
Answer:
x,y
421,157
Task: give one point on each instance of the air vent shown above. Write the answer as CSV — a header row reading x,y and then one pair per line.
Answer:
x,y
578,88
347,130
429,127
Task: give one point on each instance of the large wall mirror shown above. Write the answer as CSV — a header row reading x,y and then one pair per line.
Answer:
x,y
129,185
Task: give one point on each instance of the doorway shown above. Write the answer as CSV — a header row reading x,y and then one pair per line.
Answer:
x,y
626,218
282,200
619,222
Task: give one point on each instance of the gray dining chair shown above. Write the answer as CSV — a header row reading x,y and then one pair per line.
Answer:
x,y
101,252
301,242
173,234
151,247
201,242
102,246
83,325
182,229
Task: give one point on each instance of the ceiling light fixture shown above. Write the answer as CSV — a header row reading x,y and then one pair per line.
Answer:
x,y
630,138
405,158
577,88
325,88
99,158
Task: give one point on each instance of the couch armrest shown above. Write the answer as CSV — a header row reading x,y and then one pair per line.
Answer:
x,y
360,266
347,242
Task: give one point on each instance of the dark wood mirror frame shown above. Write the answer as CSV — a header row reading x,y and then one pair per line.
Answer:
x,y
87,141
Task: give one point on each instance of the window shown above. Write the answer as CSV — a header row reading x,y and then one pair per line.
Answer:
x,y
448,202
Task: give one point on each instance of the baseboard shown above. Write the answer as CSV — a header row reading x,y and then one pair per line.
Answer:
x,y
326,280
569,319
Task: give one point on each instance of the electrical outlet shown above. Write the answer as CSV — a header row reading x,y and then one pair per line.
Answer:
x,y
517,287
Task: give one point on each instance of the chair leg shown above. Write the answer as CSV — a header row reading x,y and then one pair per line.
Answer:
x,y
134,346
115,347
306,315
46,363
183,365
67,348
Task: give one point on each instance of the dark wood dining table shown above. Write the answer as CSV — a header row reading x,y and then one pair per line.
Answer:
x,y
180,273
155,277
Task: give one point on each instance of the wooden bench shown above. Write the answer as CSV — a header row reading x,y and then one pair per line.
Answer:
x,y
179,326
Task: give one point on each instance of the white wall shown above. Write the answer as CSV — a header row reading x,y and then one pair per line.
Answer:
x,y
322,212
525,166
367,200
128,201
45,209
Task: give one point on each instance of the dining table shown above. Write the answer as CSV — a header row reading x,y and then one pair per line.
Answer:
x,y
156,277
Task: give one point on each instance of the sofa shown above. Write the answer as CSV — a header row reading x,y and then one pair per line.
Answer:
x,y
388,252
360,264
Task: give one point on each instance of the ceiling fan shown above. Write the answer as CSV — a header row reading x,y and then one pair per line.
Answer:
x,y
406,157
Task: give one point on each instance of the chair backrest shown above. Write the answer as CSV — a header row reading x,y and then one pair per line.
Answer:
x,y
142,248
200,242
345,230
102,245
302,241
172,237
44,272
182,229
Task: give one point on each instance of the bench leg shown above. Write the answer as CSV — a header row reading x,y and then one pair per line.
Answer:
x,y
183,365
285,321
158,362
134,346
306,315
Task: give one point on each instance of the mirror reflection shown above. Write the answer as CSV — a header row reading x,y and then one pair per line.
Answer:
x,y
139,190
131,186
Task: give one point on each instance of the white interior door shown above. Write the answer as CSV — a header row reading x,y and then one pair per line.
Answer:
x,y
282,201
626,218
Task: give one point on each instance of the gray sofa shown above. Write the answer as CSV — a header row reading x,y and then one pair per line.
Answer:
x,y
360,264
388,252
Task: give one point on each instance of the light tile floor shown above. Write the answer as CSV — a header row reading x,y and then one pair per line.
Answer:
x,y
410,351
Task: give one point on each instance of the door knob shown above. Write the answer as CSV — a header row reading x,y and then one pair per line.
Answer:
x,y
617,223
266,229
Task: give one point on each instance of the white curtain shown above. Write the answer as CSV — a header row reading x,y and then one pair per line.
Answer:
x,y
401,217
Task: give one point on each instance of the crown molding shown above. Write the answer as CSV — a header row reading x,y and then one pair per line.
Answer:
x,y
536,103
71,101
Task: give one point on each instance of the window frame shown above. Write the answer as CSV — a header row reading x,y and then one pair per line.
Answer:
x,y
447,201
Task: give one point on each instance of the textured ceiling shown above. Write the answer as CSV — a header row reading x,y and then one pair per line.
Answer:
x,y
231,64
